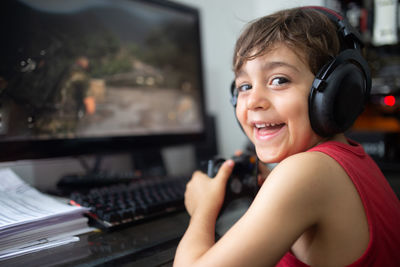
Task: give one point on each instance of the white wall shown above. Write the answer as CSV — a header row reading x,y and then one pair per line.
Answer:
x,y
221,24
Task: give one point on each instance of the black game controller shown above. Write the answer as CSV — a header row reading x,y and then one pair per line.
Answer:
x,y
243,180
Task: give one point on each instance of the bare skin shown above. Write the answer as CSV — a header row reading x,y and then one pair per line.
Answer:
x,y
307,204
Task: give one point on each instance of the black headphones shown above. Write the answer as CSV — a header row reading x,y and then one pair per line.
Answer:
x,y
341,87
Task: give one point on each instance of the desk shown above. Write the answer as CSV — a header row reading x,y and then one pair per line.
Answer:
x,y
151,243
148,244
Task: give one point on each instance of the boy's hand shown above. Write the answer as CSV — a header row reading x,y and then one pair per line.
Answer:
x,y
206,195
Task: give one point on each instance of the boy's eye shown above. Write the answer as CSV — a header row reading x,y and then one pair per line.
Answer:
x,y
244,87
279,81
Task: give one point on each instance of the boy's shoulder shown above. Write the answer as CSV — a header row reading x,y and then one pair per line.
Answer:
x,y
311,174
309,162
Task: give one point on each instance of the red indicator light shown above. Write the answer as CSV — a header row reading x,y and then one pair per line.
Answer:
x,y
74,203
389,100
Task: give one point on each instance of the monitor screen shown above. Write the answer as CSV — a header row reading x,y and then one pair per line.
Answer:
x,y
91,76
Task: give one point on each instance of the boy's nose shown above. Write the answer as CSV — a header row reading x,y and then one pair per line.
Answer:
x,y
257,99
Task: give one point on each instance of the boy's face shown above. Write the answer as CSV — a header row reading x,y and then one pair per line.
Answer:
x,y
272,105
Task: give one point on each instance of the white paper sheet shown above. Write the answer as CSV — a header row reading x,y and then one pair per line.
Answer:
x,y
21,203
32,221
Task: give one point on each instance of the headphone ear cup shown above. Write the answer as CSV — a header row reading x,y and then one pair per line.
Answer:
x,y
335,104
233,95
233,100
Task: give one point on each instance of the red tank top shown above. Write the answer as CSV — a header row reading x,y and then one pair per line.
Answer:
x,y
381,205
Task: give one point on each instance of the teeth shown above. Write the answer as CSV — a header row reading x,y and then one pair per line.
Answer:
x,y
263,125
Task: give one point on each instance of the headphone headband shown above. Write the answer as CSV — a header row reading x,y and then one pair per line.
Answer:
x,y
351,37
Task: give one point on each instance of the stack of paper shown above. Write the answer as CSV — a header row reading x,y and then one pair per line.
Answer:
x,y
31,221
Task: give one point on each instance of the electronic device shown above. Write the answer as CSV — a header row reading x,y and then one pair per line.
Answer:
x,y
243,180
341,87
138,200
99,76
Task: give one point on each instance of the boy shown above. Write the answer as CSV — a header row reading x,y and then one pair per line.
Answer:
x,y
326,203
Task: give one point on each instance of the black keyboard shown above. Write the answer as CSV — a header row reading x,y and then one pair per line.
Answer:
x,y
124,204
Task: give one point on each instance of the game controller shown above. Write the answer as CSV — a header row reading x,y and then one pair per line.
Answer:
x,y
243,180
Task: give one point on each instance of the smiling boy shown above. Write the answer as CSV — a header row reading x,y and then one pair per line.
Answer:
x,y
326,203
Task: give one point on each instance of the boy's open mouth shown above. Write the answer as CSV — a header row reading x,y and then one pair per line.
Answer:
x,y
268,128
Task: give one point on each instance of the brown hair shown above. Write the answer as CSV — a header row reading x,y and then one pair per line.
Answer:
x,y
308,32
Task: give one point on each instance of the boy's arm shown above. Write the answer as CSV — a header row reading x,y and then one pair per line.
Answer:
x,y
197,240
203,201
290,201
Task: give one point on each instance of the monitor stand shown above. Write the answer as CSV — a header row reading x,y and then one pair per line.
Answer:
x,y
148,162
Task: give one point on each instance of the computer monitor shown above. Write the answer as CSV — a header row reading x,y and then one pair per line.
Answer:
x,y
98,76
